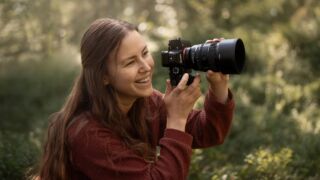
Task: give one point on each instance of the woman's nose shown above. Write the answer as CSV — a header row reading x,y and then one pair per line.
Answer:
x,y
144,66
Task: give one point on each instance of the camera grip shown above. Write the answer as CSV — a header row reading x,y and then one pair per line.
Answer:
x,y
190,80
176,78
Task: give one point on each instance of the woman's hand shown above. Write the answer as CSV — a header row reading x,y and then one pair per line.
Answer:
x,y
180,100
218,82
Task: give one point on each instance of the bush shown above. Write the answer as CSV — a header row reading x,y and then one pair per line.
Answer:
x,y
263,164
31,90
17,154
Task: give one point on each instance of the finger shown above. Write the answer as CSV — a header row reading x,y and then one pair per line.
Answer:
x,y
225,76
183,82
168,87
214,40
211,73
196,82
213,76
218,75
194,88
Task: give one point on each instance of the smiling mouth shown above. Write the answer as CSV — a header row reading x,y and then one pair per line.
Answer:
x,y
145,80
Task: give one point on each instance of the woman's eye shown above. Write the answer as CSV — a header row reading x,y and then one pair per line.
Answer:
x,y
129,63
145,53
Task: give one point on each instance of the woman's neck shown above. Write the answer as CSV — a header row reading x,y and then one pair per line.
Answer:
x,y
125,104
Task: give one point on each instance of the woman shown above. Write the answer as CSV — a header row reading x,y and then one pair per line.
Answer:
x,y
114,121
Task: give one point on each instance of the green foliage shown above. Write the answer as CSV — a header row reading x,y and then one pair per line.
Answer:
x,y
275,132
31,90
264,164
306,161
17,154
29,29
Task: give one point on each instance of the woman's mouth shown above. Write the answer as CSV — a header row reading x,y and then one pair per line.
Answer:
x,y
144,80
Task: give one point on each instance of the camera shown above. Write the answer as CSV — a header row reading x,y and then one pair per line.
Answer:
x,y
226,56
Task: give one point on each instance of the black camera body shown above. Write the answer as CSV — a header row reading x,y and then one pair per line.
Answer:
x,y
226,56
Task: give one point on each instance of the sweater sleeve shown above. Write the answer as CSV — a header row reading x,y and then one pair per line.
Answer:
x,y
210,126
98,154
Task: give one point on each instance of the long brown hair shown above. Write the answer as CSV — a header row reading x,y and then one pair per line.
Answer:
x,y
101,39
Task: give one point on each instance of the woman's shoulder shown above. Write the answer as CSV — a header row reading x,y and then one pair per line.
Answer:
x,y
83,120
85,126
89,141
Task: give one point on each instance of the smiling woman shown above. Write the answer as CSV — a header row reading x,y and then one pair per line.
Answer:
x,y
131,72
113,120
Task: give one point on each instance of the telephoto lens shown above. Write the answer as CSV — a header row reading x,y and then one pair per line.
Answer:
x,y
226,56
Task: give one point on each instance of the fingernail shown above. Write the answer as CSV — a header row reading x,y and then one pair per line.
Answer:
x,y
186,75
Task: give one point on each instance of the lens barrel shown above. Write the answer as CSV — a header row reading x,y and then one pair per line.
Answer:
x,y
226,56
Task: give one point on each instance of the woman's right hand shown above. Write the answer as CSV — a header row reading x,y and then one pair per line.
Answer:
x,y
180,100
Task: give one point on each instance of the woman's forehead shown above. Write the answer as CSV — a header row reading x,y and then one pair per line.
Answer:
x,y
131,44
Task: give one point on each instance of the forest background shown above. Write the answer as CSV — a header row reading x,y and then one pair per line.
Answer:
x,y
275,132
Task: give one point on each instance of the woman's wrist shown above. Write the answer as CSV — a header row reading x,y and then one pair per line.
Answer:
x,y
178,124
221,94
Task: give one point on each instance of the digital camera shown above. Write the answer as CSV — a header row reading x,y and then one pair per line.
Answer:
x,y
226,56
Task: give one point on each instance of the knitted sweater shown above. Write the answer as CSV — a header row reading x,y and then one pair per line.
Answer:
x,y
96,153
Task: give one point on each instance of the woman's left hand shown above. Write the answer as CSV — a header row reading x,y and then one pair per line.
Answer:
x,y
218,82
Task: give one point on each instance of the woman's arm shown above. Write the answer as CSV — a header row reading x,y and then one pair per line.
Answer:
x,y
210,126
98,154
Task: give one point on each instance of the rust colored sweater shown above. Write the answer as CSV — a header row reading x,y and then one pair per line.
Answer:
x,y
96,153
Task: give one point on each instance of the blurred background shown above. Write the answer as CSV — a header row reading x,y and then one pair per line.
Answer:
x,y
275,132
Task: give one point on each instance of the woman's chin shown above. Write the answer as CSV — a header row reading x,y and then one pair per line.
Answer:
x,y
148,92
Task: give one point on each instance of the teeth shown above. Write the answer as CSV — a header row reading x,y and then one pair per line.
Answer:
x,y
143,80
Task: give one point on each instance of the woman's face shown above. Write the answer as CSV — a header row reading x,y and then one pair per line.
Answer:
x,y
131,72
